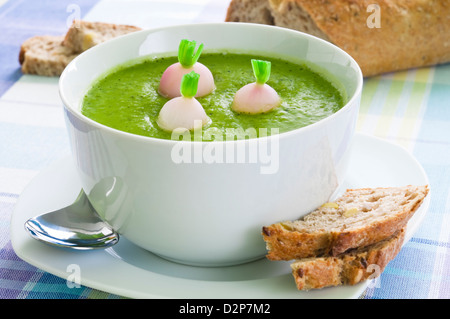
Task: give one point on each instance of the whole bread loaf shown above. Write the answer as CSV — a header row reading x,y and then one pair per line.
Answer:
x,y
349,268
360,217
382,36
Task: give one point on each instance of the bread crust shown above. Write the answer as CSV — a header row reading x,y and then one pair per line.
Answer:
x,y
411,34
285,243
349,268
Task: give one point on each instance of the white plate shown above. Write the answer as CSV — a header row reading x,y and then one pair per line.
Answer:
x,y
130,271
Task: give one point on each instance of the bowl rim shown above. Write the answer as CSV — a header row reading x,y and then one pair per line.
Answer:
x,y
148,139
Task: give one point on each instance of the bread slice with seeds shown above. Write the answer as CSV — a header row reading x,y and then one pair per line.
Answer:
x,y
349,268
360,217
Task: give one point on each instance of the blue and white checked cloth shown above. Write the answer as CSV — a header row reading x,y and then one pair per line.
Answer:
x,y
410,108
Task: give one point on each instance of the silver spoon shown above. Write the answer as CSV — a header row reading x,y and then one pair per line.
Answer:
x,y
76,226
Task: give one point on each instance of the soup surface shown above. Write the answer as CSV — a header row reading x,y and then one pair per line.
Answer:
x,y
127,98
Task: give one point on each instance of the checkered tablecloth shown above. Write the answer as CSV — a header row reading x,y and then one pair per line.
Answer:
x,y
410,108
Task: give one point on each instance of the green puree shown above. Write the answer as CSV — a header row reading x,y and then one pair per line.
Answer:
x,y
127,98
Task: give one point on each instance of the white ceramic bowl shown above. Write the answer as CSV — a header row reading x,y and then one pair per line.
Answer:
x,y
208,213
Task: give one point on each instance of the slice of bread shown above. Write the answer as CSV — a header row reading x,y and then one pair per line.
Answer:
x,y
349,268
360,217
83,35
49,55
45,55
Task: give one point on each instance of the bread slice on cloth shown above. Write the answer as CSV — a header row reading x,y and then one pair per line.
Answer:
x,y
49,55
347,269
83,35
360,217
45,55
382,36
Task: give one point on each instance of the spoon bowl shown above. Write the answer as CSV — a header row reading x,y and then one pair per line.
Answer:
x,y
76,226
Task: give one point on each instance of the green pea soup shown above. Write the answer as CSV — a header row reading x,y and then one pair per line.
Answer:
x,y
126,98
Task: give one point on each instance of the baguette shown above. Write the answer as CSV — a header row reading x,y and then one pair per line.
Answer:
x,y
349,268
360,217
254,11
83,35
407,34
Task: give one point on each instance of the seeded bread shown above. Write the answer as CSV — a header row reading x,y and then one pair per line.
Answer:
x,y
349,268
360,217
49,55
45,55
394,36
83,35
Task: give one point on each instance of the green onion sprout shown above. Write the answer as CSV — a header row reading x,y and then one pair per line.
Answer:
x,y
186,53
189,84
261,69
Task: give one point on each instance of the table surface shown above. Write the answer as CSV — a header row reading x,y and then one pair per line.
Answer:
x,y
409,108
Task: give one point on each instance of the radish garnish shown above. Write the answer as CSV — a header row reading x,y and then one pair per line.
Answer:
x,y
169,85
257,97
184,112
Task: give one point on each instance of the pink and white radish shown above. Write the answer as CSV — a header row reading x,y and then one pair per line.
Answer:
x,y
170,83
257,97
184,112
